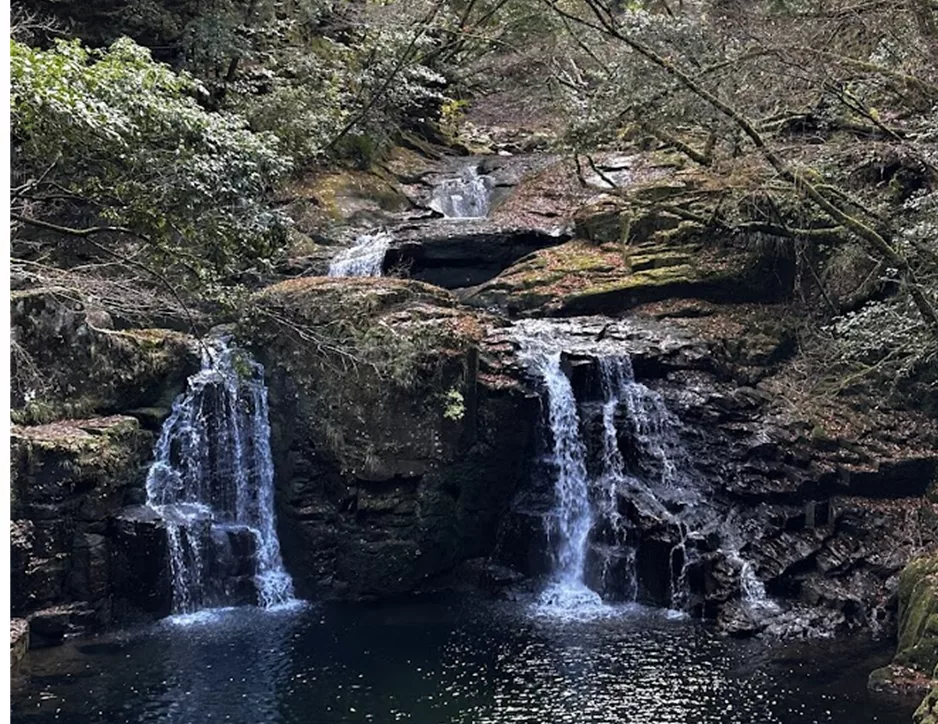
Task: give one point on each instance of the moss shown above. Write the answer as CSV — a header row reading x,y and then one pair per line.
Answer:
x,y
927,712
918,615
105,370
362,353
580,276
340,194
51,462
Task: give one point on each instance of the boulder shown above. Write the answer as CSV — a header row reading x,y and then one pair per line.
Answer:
x,y
398,435
70,361
67,479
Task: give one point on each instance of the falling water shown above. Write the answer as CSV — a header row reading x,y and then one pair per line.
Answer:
x,y
465,197
605,505
653,433
572,512
212,484
364,259
752,590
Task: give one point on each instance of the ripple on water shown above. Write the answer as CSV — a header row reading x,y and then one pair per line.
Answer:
x,y
438,662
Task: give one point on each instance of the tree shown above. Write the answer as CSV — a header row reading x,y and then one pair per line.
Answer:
x,y
112,150
675,61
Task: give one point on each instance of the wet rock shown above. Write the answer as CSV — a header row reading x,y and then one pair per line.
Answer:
x,y
19,640
469,254
49,626
139,564
398,443
68,478
358,198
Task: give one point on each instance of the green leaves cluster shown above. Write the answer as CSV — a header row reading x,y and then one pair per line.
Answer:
x,y
123,141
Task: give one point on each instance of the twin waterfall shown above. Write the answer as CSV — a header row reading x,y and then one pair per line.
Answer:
x,y
626,500
212,483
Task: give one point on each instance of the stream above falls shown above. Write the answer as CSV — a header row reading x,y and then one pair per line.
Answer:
x,y
439,661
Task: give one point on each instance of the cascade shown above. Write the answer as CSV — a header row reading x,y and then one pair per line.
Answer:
x,y
573,512
660,486
605,500
212,483
363,259
464,197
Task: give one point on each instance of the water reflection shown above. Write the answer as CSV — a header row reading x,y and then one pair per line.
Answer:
x,y
442,663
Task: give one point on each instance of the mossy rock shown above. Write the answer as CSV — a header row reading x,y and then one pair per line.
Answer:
x,y
918,615
393,462
69,361
51,463
361,350
344,197
927,712
602,221
580,277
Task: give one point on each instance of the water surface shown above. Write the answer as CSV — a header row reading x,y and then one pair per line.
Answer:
x,y
444,662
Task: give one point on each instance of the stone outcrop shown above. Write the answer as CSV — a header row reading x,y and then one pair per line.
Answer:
x,y
70,361
582,277
68,479
825,523
450,256
398,439
915,666
99,394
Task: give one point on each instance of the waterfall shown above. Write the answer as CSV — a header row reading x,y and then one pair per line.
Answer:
x,y
630,518
652,430
464,197
573,512
363,259
212,483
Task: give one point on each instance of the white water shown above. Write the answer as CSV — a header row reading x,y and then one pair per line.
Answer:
x,y
652,430
572,512
594,542
464,197
212,484
364,259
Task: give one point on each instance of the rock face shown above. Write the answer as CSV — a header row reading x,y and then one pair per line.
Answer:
x,y
824,525
398,441
915,666
452,257
105,371
71,478
68,479
582,277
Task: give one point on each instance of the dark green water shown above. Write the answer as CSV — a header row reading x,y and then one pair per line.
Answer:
x,y
438,662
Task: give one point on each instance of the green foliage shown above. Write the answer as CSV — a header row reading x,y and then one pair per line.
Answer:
x,y
454,405
124,139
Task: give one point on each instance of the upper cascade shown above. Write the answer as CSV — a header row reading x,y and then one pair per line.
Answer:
x,y
467,196
212,483
365,258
